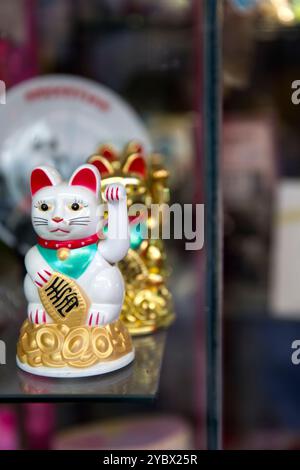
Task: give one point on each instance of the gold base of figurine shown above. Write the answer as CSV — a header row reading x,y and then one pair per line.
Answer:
x,y
56,345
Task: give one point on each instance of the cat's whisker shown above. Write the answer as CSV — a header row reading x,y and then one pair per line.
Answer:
x,y
80,218
82,221
78,223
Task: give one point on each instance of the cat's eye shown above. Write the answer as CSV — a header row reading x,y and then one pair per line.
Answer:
x,y
75,206
44,207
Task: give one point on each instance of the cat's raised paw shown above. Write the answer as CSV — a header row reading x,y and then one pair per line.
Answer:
x,y
115,192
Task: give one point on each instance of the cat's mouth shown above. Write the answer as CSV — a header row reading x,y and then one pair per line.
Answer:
x,y
59,230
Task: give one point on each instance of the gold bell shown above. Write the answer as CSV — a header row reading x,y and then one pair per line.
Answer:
x,y
63,253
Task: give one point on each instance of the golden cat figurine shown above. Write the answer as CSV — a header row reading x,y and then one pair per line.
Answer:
x,y
148,303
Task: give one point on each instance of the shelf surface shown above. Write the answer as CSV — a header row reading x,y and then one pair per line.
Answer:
x,y
139,380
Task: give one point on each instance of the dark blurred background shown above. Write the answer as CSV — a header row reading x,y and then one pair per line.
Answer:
x,y
260,159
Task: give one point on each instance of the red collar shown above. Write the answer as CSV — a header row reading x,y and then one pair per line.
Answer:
x,y
56,244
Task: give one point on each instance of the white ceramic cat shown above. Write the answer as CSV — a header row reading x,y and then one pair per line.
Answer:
x,y
67,215
73,287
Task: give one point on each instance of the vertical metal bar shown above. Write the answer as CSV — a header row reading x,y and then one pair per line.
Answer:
x,y
213,221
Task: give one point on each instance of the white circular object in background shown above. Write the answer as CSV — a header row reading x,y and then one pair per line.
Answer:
x,y
57,120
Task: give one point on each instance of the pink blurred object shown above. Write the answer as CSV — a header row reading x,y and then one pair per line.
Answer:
x,y
9,436
39,423
264,440
18,61
138,432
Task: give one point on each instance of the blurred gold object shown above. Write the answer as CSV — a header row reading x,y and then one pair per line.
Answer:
x,y
148,302
58,345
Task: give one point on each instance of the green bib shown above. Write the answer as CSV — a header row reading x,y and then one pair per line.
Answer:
x,y
75,265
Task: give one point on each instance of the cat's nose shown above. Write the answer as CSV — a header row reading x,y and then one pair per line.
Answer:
x,y
57,219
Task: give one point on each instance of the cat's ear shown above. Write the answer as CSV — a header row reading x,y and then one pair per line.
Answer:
x,y
43,176
87,176
136,164
104,166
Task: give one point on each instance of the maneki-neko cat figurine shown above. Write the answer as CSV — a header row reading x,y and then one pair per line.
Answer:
x,y
148,303
73,287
